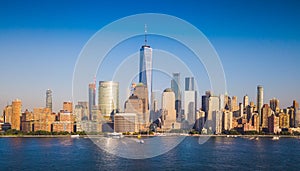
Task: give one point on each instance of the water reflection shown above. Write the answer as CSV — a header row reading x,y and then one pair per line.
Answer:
x,y
132,148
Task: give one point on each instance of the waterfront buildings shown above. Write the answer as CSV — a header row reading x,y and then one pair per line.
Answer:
x,y
108,98
64,124
125,122
41,120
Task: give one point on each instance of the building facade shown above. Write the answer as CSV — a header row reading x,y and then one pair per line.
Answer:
x,y
125,122
108,98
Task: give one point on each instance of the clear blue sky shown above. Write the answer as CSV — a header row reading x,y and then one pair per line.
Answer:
x,y
258,42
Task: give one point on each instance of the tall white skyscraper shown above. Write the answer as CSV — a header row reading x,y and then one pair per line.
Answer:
x,y
190,100
145,72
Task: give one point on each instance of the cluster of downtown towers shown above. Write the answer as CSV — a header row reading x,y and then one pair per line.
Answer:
x,y
178,109
217,113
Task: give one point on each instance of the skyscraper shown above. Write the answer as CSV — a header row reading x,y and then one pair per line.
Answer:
x,y
49,99
266,112
108,98
168,105
138,103
274,104
145,72
296,113
214,115
16,114
260,101
175,86
189,84
234,104
205,102
190,100
246,101
92,98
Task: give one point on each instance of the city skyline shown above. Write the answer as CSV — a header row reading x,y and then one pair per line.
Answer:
x,y
40,51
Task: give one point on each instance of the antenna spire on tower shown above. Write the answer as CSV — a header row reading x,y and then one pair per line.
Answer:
x,y
145,34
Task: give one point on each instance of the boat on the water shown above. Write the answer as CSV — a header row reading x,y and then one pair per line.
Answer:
x,y
114,135
75,136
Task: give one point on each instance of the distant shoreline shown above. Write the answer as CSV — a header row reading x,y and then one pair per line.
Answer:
x,y
165,135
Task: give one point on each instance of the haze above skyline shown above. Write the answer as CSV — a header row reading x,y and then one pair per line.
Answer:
x,y
257,41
